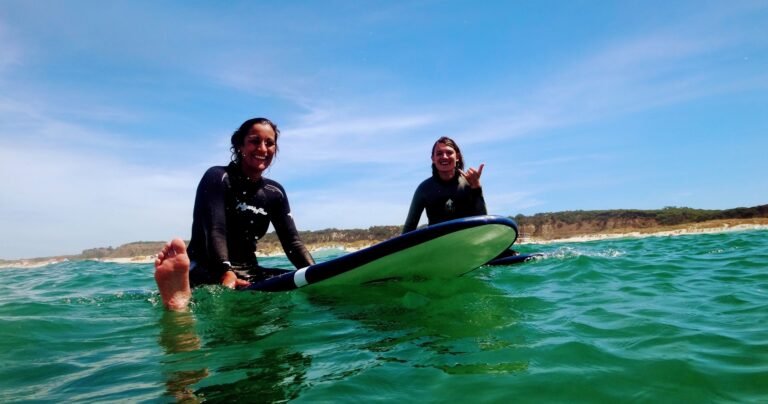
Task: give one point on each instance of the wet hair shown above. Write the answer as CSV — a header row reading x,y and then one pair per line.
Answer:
x,y
450,143
238,138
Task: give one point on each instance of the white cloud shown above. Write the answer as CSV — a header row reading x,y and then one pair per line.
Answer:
x,y
66,202
67,187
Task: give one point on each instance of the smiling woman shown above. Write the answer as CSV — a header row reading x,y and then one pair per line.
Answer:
x,y
234,206
451,192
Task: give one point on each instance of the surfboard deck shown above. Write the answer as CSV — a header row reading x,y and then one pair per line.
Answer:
x,y
445,250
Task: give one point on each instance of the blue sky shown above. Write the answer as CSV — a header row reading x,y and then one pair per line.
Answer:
x,y
110,112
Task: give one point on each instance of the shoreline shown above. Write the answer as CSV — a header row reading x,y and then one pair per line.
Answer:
x,y
709,227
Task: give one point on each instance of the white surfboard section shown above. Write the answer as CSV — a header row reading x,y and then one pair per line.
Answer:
x,y
299,277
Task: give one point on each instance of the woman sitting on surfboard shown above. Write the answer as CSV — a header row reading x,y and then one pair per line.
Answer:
x,y
450,193
234,206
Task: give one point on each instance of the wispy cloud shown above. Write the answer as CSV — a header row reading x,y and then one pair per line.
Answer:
x,y
54,195
11,55
114,129
68,186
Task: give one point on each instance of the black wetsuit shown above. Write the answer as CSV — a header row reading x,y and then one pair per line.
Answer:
x,y
444,200
231,214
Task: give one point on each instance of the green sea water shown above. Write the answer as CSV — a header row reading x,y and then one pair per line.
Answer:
x,y
656,319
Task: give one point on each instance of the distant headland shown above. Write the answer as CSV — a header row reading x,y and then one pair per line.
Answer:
x,y
539,228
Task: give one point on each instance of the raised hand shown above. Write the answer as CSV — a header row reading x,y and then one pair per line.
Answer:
x,y
473,176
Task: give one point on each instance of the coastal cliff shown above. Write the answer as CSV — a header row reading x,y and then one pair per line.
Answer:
x,y
569,224
539,228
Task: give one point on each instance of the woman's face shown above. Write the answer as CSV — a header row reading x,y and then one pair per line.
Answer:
x,y
259,147
444,158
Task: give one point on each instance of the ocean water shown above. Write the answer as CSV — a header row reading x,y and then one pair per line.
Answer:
x,y
656,319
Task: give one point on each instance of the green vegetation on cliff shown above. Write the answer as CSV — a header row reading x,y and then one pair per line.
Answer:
x,y
580,222
668,216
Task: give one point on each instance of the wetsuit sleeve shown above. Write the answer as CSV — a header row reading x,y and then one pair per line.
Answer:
x,y
414,213
210,213
478,200
289,237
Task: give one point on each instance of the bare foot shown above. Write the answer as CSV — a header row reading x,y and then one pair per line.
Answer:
x,y
172,275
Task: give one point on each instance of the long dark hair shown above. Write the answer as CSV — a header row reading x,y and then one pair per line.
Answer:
x,y
238,138
450,143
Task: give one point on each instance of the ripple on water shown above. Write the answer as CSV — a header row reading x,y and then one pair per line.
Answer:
x,y
674,319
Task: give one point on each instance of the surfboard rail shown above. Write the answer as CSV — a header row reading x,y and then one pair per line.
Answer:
x,y
514,259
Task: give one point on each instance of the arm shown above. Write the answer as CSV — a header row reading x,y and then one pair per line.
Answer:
x,y
472,177
478,202
414,213
289,237
211,222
